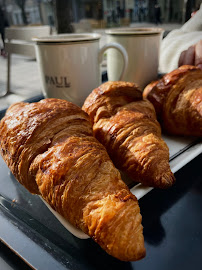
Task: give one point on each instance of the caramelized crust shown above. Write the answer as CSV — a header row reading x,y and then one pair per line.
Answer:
x,y
177,99
50,149
126,125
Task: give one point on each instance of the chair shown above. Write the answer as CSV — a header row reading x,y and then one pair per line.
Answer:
x,y
18,40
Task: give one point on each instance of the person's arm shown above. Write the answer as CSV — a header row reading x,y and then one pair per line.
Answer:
x,y
174,45
180,40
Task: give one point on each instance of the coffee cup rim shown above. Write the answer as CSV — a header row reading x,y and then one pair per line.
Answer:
x,y
137,31
67,38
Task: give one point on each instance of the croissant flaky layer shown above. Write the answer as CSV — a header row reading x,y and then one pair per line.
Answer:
x,y
50,149
126,125
177,99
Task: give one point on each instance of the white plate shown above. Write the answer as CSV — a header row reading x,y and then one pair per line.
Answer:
x,y
182,150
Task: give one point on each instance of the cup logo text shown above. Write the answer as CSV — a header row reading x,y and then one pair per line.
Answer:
x,y
59,82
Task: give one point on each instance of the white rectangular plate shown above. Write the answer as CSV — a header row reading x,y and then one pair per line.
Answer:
x,y
182,150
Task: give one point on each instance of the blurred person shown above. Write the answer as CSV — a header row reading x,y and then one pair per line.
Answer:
x,y
157,13
3,25
2,28
131,14
183,46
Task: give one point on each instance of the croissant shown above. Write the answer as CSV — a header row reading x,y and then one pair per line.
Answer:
x,y
50,149
126,125
177,99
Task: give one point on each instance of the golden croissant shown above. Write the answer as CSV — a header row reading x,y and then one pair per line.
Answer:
x,y
177,99
50,149
126,125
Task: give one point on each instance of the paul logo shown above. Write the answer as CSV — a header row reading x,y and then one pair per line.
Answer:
x,y
59,82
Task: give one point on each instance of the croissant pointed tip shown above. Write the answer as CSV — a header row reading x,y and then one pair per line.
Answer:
x,y
166,180
137,257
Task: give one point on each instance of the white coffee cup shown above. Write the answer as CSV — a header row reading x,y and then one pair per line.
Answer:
x,y
142,46
69,65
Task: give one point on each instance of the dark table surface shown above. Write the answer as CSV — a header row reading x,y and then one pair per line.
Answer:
x,y
172,221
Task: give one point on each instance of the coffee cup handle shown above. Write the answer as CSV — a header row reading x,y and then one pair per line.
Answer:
x,y
123,52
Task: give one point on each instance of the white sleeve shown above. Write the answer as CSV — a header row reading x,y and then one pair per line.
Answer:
x,y
179,40
173,45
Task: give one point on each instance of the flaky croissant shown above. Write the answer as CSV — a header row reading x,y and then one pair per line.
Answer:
x,y
126,125
50,149
177,99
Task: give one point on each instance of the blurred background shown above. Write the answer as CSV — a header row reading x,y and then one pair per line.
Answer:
x,y
19,76
77,15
